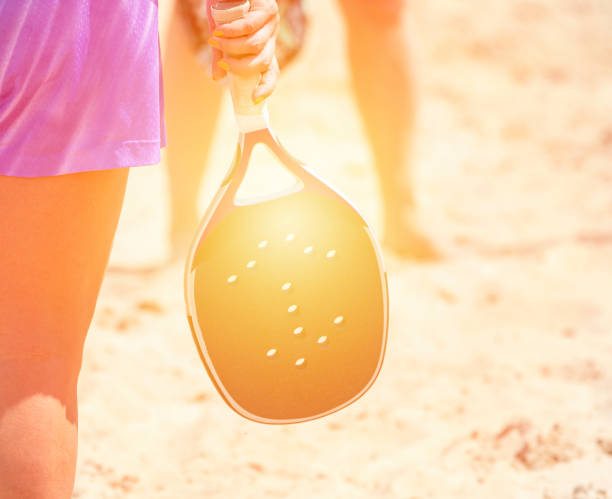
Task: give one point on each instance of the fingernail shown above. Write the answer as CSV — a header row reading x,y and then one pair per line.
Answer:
x,y
223,65
218,33
213,43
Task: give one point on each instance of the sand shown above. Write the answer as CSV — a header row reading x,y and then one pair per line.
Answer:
x,y
498,379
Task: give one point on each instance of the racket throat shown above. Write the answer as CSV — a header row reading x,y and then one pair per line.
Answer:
x,y
266,177
248,123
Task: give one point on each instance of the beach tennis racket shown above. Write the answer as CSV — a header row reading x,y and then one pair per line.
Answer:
x,y
286,295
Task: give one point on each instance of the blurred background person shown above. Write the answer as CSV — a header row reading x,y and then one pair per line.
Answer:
x,y
379,54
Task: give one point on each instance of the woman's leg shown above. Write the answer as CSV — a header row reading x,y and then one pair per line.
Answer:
x,y
380,56
192,102
55,238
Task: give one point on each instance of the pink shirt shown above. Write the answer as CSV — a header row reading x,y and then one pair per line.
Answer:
x,y
80,86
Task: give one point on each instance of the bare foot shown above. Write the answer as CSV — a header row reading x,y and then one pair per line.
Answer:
x,y
407,240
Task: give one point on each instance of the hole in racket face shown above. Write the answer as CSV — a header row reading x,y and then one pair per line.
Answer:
x,y
266,178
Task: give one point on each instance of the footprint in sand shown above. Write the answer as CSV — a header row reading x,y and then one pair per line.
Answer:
x,y
150,306
588,492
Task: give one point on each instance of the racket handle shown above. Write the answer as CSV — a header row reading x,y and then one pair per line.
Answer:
x,y
250,116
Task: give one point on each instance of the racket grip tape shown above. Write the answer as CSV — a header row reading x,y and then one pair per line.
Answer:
x,y
241,87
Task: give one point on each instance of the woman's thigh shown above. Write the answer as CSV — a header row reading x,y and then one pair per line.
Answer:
x,y
55,239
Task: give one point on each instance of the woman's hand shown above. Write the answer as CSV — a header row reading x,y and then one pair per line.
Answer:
x,y
246,46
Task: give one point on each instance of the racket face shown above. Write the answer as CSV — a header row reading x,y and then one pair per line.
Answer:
x,y
287,300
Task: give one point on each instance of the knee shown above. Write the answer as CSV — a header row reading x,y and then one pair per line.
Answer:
x,y
374,15
47,384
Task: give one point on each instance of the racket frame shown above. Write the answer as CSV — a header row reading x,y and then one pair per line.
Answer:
x,y
222,205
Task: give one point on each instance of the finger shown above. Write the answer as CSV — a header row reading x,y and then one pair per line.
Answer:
x,y
217,72
251,64
245,45
252,21
267,83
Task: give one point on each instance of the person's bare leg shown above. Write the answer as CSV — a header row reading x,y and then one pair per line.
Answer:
x,y
56,234
192,102
380,57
